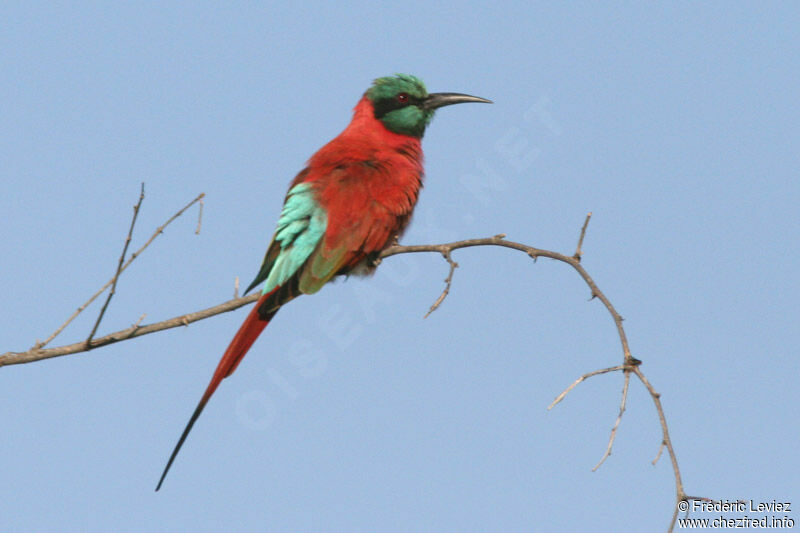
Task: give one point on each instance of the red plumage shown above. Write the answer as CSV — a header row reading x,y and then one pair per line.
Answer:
x,y
368,180
248,332
356,199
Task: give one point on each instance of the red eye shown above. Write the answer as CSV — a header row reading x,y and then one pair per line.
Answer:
x,y
402,98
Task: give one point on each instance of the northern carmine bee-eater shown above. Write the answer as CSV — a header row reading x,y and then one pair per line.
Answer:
x,y
353,200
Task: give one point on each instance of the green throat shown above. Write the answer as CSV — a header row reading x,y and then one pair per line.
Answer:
x,y
399,103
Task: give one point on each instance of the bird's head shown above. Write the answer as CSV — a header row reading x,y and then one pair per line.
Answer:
x,y
404,106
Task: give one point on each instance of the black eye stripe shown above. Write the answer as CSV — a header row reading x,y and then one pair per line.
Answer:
x,y
387,105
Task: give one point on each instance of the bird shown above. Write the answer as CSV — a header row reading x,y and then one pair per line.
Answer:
x,y
353,199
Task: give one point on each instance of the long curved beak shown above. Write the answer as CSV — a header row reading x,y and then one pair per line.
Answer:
x,y
437,100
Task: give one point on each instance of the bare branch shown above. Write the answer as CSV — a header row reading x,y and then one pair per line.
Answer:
x,y
38,354
498,240
119,268
133,256
666,441
629,366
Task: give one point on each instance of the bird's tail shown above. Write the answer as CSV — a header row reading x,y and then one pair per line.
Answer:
x,y
253,325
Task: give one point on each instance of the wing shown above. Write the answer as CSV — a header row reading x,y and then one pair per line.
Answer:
x,y
301,227
331,222
368,205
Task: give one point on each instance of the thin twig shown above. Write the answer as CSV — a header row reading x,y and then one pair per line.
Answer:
x,y
658,454
578,251
133,256
581,379
199,215
447,281
119,268
617,422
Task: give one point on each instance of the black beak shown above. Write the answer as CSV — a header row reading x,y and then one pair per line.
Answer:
x,y
437,100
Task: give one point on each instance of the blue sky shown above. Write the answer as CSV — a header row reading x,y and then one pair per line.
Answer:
x,y
677,126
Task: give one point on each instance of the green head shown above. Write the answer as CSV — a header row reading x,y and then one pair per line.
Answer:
x,y
404,106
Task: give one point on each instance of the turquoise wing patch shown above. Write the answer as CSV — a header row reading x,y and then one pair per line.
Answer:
x,y
301,226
